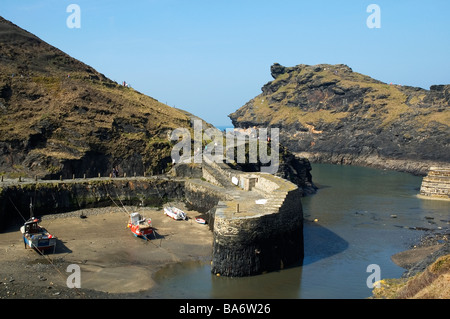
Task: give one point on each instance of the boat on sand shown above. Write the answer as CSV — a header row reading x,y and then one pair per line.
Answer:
x,y
200,220
37,237
175,213
140,226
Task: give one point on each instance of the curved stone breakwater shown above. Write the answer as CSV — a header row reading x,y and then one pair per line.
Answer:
x,y
259,230
256,218
258,223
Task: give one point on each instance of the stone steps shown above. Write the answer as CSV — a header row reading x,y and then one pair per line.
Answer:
x,y
435,185
217,176
437,179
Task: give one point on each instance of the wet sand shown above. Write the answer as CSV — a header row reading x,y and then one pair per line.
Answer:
x,y
113,262
409,258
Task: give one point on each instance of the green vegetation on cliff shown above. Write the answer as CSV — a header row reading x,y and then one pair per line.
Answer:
x,y
329,109
60,116
433,283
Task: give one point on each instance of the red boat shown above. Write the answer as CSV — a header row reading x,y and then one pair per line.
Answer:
x,y
140,226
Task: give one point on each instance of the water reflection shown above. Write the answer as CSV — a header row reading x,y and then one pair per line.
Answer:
x,y
284,284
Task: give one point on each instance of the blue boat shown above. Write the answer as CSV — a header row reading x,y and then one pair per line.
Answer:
x,y
37,237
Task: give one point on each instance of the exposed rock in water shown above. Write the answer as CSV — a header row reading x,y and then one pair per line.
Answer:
x,y
331,114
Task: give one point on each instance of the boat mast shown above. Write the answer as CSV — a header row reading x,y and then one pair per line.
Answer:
x,y
31,208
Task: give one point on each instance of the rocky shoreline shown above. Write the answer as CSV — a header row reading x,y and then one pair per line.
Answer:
x,y
432,245
415,167
427,270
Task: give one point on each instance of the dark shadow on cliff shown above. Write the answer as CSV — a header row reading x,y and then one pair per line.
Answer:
x,y
320,242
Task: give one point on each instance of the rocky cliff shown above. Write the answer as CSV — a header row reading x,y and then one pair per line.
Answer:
x,y
331,114
59,116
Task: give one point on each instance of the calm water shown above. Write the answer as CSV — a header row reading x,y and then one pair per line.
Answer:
x,y
354,229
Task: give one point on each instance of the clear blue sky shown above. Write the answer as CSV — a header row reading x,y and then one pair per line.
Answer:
x,y
211,57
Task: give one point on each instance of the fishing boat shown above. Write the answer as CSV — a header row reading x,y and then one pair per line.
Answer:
x,y
175,213
37,237
140,226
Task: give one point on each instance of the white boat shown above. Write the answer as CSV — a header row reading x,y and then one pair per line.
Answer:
x,y
174,213
200,220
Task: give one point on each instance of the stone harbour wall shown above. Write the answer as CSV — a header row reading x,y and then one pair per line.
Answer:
x,y
253,238
256,228
204,197
436,184
53,197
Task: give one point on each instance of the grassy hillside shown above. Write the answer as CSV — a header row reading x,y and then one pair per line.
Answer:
x,y
433,283
60,116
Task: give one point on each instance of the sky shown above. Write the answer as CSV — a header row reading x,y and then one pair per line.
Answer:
x,y
211,57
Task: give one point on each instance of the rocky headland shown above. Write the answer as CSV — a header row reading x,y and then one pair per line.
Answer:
x,y
329,113
61,117
65,127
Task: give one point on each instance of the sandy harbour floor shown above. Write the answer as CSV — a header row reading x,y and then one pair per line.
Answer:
x,y
113,262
